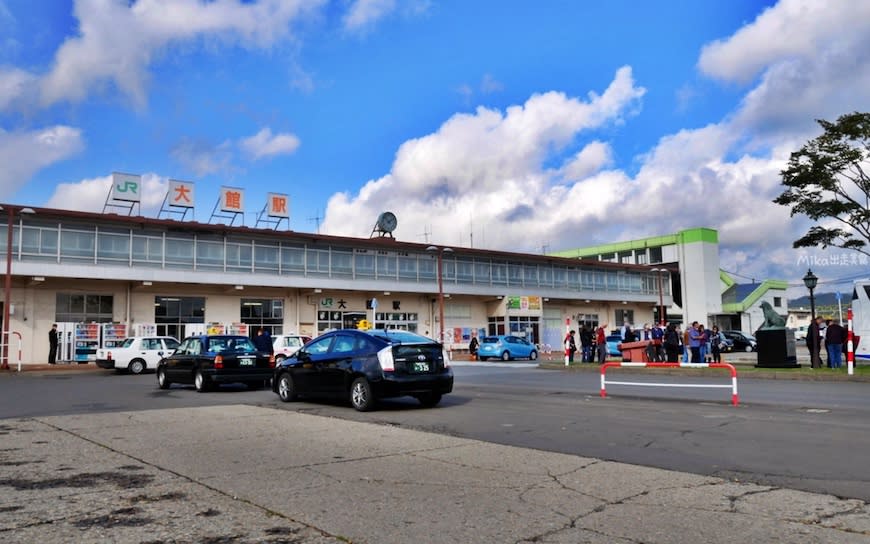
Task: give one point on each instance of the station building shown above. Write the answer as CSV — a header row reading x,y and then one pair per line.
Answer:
x,y
104,276
688,262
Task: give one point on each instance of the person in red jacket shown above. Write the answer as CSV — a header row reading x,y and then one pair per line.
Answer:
x,y
601,343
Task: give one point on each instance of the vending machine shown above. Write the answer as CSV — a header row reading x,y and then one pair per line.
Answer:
x,y
66,346
114,334
145,329
87,341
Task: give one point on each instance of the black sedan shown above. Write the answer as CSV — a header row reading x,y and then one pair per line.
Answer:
x,y
366,365
209,360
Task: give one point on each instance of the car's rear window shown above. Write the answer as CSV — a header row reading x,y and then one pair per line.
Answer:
x,y
400,336
490,339
128,342
235,344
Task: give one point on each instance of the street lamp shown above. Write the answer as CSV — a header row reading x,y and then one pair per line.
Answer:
x,y
659,272
441,251
811,280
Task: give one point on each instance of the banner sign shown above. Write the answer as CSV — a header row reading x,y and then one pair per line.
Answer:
x,y
232,199
181,193
277,205
126,187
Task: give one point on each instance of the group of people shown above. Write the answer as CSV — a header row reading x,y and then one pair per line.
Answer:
x,y
696,344
593,343
832,335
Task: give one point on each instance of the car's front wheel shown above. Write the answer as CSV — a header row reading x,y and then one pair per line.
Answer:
x,y
136,366
286,388
200,382
429,399
506,356
280,359
162,381
533,356
361,396
748,348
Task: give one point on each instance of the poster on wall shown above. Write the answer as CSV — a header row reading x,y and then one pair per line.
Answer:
x,y
528,305
215,328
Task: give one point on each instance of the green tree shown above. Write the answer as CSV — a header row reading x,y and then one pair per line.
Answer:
x,y
826,180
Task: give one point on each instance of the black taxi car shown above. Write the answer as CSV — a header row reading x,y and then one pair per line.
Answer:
x,y
208,360
366,365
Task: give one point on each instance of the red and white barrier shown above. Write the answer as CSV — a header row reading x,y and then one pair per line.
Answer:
x,y
18,334
850,351
734,398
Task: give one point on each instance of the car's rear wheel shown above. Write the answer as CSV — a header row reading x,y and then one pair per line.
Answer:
x,y
286,388
162,381
429,399
506,356
280,359
136,366
361,396
748,348
533,356
201,383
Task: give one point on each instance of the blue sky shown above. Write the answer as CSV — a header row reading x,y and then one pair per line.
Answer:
x,y
524,126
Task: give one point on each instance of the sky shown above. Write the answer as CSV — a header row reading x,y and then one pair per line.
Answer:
x,y
521,126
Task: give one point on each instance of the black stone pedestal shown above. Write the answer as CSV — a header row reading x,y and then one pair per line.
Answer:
x,y
776,349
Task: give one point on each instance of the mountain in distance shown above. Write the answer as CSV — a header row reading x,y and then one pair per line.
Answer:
x,y
822,299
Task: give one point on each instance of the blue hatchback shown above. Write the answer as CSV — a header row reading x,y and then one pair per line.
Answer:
x,y
506,347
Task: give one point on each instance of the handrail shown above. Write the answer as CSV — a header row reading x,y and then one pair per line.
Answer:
x,y
734,398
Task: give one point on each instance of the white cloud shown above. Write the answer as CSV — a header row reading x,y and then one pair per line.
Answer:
x,y
365,13
15,86
489,84
22,153
117,42
202,157
266,145
487,169
89,195
587,161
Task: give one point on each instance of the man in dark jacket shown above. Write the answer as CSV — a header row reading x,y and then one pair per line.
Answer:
x,y
263,342
814,342
835,336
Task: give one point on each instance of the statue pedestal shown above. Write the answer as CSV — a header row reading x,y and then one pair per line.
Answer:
x,y
776,348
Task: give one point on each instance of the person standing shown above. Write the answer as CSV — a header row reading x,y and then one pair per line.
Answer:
x,y
571,346
716,344
672,343
473,346
814,342
263,342
658,336
696,336
52,344
601,342
705,339
835,334
586,343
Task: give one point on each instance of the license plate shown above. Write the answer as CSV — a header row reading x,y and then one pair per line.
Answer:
x,y
421,367
246,362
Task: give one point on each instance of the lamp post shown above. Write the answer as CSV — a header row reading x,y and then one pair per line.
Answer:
x,y
811,280
440,257
659,272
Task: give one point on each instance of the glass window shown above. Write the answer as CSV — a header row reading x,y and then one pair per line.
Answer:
x,y
293,259
318,346
113,246
655,255
364,265
499,273
530,275
387,265
75,244
266,257
777,302
210,254
342,262
428,267
408,267
80,308
179,253
171,313
147,249
239,256
317,262
264,313
515,274
343,344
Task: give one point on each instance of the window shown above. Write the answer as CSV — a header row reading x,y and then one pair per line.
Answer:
x,y
82,308
655,255
263,312
623,316
343,344
777,302
172,313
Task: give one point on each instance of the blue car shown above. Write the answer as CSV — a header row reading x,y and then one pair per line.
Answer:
x,y
506,347
613,340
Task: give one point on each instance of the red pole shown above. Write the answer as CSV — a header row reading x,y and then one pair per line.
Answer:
x,y
850,350
7,293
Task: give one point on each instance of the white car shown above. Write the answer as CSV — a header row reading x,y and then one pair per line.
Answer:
x,y
285,345
137,354
800,333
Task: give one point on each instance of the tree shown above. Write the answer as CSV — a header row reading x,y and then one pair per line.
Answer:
x,y
827,179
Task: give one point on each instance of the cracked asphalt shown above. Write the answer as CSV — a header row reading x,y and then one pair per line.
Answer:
x,y
246,474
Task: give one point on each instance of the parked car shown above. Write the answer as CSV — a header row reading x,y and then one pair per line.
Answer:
x,y
136,354
286,345
727,345
800,333
209,360
365,366
506,347
741,341
613,341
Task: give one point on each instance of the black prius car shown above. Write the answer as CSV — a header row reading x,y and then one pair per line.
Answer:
x,y
364,366
209,360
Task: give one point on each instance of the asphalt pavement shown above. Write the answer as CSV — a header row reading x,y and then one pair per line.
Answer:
x,y
246,474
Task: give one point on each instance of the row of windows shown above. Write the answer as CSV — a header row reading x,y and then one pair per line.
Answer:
x,y
175,251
